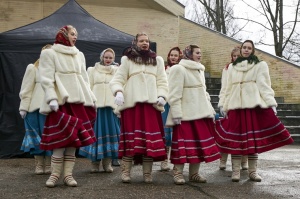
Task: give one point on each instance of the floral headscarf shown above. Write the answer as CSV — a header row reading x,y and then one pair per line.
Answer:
x,y
62,35
188,53
138,56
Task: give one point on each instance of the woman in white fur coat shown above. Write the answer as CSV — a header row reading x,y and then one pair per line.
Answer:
x,y
173,58
107,125
32,95
191,115
141,88
251,125
70,104
235,53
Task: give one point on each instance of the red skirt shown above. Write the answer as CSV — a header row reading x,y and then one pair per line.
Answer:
x,y
249,131
193,142
70,126
142,133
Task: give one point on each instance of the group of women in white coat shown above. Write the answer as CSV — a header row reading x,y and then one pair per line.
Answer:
x,y
82,108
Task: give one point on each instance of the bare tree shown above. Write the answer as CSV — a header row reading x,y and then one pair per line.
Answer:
x,y
285,34
217,15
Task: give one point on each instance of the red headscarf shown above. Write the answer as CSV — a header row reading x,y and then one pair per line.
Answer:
x,y
169,63
62,36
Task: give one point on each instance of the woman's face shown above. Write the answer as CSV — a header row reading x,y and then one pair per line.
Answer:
x,y
174,57
235,55
143,42
108,58
72,35
247,49
197,54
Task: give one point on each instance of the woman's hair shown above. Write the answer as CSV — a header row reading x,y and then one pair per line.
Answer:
x,y
234,50
179,55
47,46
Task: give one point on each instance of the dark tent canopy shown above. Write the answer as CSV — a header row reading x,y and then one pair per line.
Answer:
x,y
22,46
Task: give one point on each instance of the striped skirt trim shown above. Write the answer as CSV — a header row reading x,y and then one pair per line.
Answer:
x,y
193,142
142,133
70,126
249,131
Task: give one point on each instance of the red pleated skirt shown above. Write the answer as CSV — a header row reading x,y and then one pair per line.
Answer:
x,y
142,133
71,126
193,142
249,131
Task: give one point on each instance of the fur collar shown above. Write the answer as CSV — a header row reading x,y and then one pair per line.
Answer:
x,y
192,65
70,50
103,69
243,66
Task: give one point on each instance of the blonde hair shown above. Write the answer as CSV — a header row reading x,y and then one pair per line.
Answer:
x,y
47,46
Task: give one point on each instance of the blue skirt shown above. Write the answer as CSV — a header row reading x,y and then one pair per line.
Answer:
x,y
168,131
107,133
34,126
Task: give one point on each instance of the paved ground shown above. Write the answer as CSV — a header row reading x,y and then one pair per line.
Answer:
x,y
280,170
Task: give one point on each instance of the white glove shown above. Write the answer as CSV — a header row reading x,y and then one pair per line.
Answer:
x,y
23,114
274,109
161,101
177,120
119,99
53,105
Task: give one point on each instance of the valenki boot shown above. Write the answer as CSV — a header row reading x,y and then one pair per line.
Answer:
x,y
95,167
164,164
106,163
39,164
194,173
253,175
244,163
147,169
56,169
47,163
69,162
236,164
223,161
126,168
178,174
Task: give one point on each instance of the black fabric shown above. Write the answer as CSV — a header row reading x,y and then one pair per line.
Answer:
x,y
22,46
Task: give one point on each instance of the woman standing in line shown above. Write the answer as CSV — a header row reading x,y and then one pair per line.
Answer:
x,y
107,125
250,106
191,115
140,87
70,104
31,95
235,53
173,58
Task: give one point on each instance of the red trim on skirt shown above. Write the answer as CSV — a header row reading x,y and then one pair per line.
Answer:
x,y
249,131
142,133
193,142
70,126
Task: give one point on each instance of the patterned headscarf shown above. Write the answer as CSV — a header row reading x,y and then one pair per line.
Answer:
x,y
102,55
188,52
138,56
62,35
179,58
